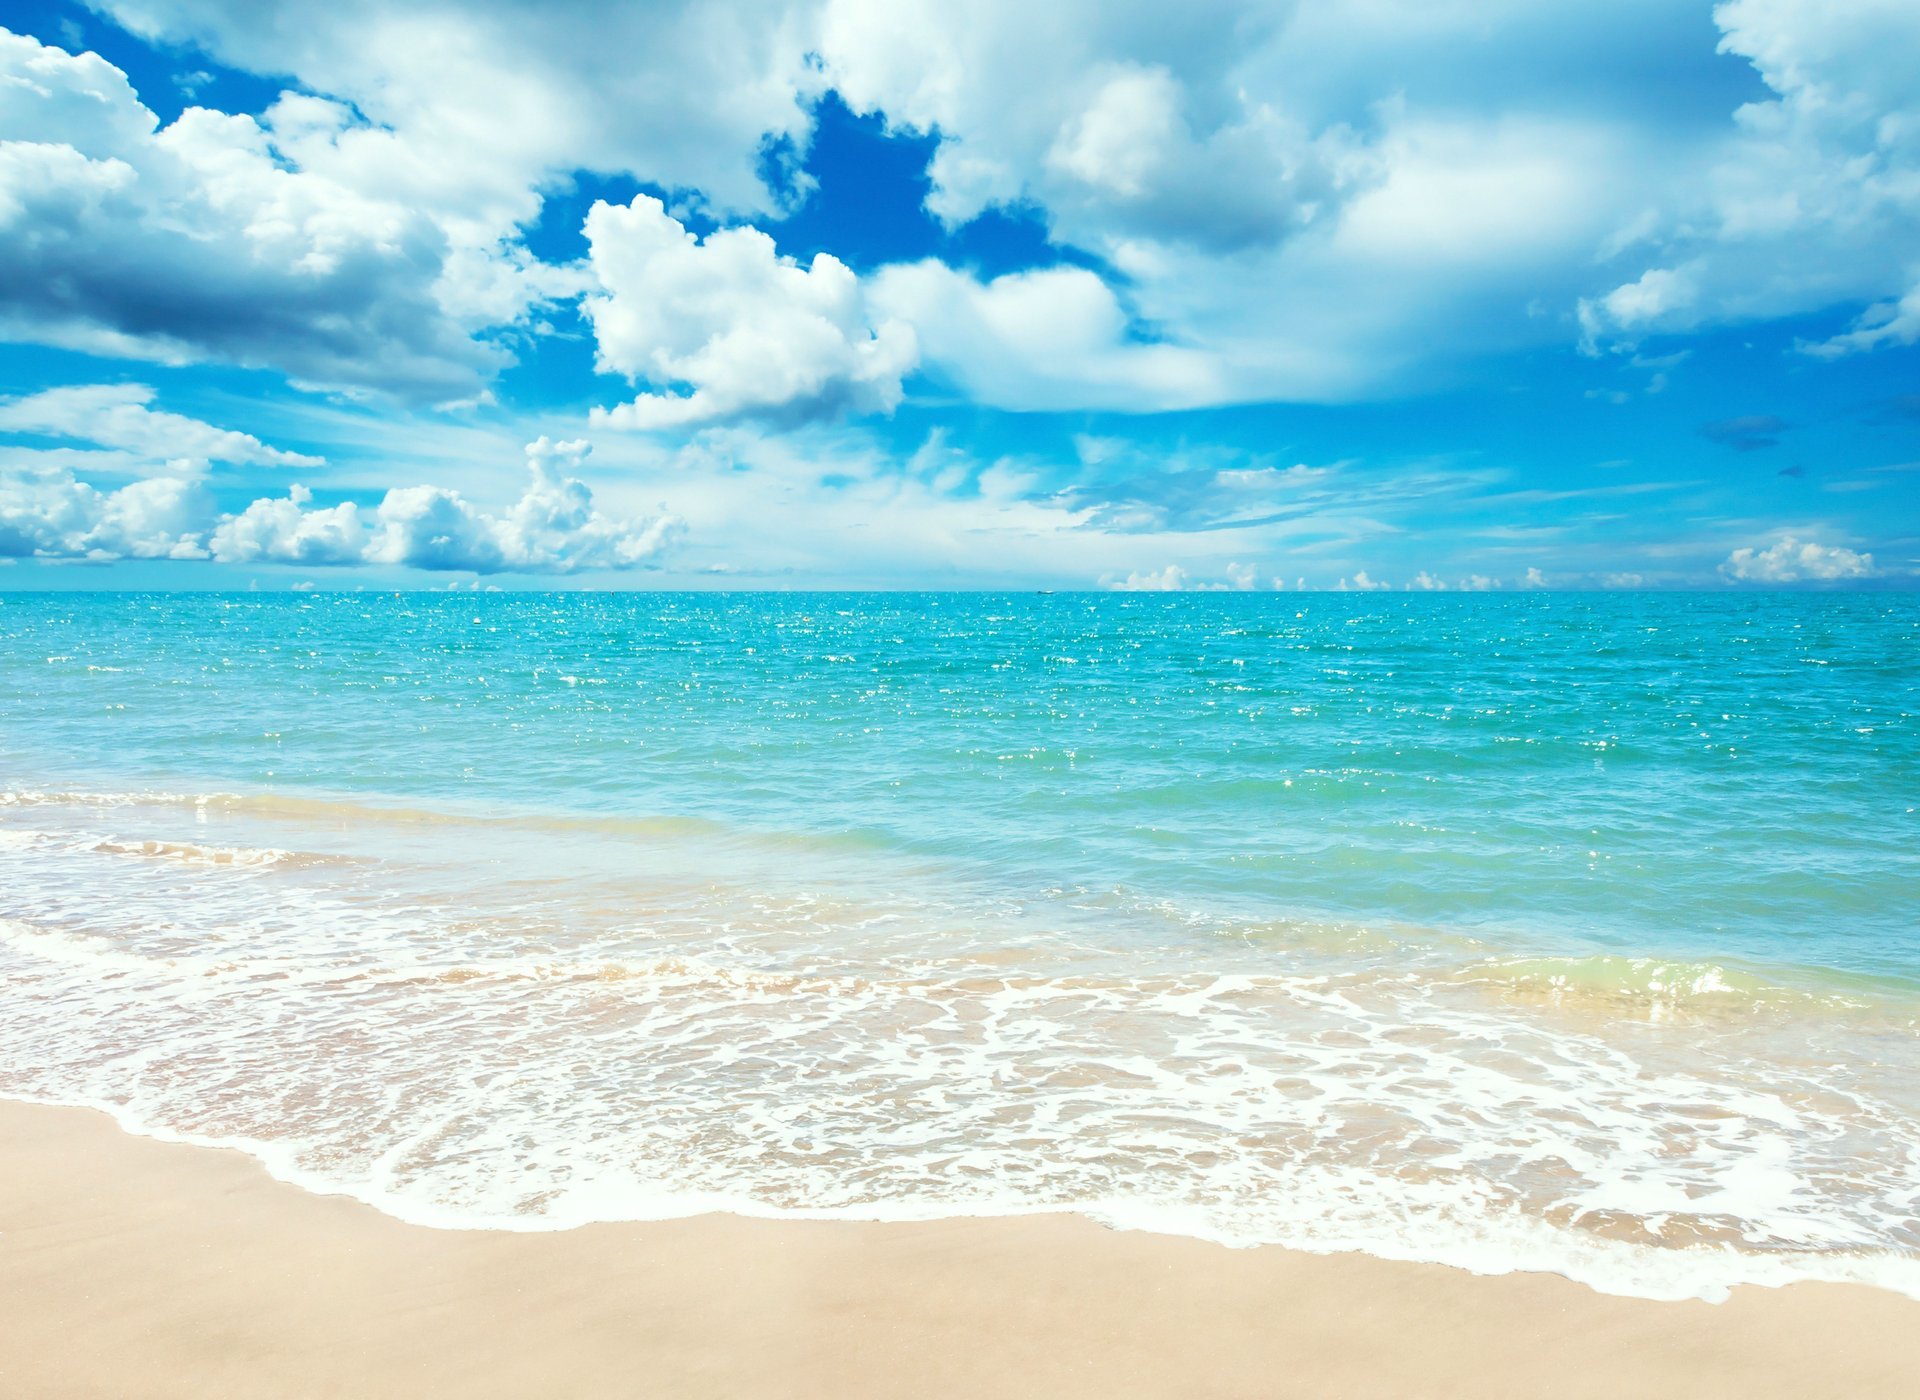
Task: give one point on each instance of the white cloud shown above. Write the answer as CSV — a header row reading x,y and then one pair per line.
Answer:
x,y
284,530
1361,583
48,514
1659,294
1811,199
554,527
1041,339
1276,240
1121,121
1427,582
364,229
1302,201
1270,478
118,416
1239,578
1461,224
474,105
752,333
1171,579
1890,323
1118,141
1284,228
1789,560
205,240
1308,200
839,506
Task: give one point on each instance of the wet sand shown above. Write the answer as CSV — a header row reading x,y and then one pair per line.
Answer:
x,y
133,1268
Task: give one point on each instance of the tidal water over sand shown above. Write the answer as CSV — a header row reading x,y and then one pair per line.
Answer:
x,y
1572,932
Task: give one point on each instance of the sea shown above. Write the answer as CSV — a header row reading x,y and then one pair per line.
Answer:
x,y
1559,931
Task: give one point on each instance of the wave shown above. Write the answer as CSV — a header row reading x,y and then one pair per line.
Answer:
x,y
1484,1243
37,797
1661,988
195,854
179,852
342,811
536,1054
1643,986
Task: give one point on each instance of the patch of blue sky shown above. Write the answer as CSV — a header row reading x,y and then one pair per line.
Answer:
x,y
169,78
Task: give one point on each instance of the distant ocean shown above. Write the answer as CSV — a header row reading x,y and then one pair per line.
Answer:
x,y
1559,931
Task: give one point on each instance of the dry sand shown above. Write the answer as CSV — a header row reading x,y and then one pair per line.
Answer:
x,y
131,1268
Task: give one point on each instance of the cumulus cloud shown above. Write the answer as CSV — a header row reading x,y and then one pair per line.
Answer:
x,y
120,416
1171,579
1789,560
1276,234
1031,340
1283,202
204,239
1299,233
1810,200
751,333
1301,199
1276,240
1427,582
1237,578
1118,121
1659,295
366,230
287,530
48,514
554,527
476,105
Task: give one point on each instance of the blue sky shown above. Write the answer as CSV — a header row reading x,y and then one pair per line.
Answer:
x,y
834,293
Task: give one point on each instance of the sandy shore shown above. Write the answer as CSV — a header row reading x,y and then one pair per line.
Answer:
x,y
130,1268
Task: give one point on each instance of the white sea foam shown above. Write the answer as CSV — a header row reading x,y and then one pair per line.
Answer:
x,y
646,1038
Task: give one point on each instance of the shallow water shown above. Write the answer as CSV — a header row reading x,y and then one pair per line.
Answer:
x,y
1573,932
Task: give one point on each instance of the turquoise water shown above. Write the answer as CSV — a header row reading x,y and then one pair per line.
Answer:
x,y
1566,931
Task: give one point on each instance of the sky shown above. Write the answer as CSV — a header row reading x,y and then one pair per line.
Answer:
x,y
1409,294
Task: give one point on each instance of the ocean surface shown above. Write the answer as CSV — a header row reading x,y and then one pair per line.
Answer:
x,y
1560,931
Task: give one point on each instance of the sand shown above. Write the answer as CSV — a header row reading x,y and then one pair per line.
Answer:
x,y
133,1268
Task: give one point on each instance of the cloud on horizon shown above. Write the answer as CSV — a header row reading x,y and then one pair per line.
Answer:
x,y
1790,560
554,527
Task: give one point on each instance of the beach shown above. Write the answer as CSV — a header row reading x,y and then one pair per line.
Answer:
x,y
819,699
130,1267
957,996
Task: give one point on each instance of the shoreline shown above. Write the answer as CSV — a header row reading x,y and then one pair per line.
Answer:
x,y
1099,1214
132,1266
